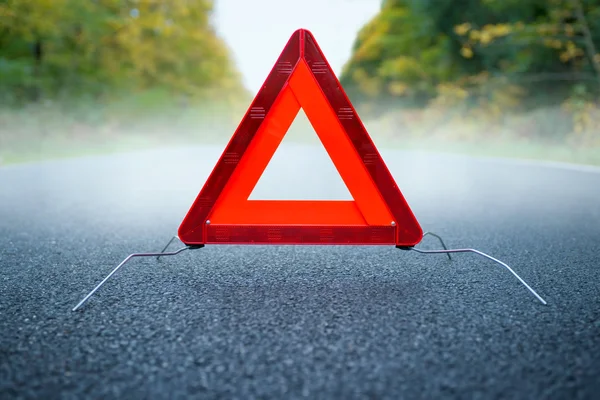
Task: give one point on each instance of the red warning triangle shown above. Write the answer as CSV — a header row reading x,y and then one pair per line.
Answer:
x,y
301,78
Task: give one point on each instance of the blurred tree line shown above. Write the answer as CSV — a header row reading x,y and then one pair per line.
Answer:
x,y
68,49
481,56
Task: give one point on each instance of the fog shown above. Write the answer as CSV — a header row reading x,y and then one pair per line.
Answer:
x,y
256,33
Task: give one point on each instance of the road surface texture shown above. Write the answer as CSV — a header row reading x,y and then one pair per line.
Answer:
x,y
298,322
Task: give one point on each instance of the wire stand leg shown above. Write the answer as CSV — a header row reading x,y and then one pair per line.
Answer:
x,y
166,247
486,256
441,241
123,263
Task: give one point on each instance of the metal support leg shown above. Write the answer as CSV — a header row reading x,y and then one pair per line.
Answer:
x,y
441,241
166,247
123,263
483,255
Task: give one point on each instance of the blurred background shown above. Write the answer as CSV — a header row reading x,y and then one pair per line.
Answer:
x,y
508,78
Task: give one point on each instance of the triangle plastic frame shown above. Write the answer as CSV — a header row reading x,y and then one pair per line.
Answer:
x,y
222,213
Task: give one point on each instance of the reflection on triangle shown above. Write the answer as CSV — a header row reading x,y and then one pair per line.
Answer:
x,y
301,169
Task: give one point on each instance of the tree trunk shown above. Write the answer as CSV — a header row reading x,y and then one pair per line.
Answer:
x,y
588,38
38,54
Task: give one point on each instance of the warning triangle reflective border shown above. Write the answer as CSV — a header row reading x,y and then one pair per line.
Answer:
x,y
301,78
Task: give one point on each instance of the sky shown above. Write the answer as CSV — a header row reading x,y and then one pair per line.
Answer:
x,y
257,30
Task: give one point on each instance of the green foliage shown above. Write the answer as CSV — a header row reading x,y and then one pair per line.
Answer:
x,y
481,59
413,46
396,55
57,49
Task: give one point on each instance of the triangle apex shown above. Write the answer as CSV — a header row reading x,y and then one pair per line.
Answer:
x,y
303,31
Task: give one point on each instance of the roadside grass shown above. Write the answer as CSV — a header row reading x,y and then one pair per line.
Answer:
x,y
150,121
23,146
543,135
503,148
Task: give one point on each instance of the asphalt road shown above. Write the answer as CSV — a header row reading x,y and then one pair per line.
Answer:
x,y
292,322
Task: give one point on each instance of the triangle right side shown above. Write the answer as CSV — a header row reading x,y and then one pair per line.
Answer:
x,y
340,149
409,231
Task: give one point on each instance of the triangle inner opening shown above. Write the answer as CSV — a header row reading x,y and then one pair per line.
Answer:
x,y
300,169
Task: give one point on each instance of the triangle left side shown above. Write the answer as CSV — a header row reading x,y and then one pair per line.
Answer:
x,y
192,230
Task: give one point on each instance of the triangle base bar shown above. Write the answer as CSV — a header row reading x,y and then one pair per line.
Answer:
x,y
300,234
